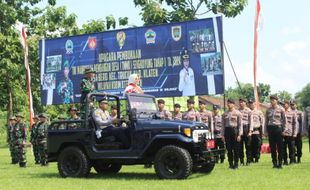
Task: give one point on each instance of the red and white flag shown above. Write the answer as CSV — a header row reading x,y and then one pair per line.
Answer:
x,y
257,28
23,39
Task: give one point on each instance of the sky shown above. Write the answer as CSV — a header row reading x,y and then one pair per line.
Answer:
x,y
284,41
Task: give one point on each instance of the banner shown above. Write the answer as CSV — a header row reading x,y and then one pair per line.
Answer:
x,y
176,59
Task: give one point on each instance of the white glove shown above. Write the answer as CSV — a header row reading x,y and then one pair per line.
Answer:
x,y
98,133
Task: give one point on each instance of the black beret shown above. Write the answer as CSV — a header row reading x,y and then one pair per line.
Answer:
x,y
190,101
275,97
161,101
202,102
231,101
104,100
293,102
114,107
177,105
215,107
242,99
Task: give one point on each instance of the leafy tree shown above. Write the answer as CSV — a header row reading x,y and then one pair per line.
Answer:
x,y
284,95
11,57
183,10
303,97
247,91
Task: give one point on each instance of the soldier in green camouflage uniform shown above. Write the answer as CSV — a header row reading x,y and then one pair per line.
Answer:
x,y
65,87
42,138
10,128
87,86
19,140
33,139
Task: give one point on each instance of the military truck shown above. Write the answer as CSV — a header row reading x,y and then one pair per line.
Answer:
x,y
175,148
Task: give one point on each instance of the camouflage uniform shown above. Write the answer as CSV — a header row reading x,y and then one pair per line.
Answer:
x,y
19,139
9,140
33,140
65,90
42,141
87,87
257,122
289,133
73,125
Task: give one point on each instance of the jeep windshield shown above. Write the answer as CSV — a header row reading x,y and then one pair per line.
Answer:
x,y
144,104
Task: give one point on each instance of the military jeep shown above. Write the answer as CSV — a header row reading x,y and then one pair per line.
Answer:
x,y
175,148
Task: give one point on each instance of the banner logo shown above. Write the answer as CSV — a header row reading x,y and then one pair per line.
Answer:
x,y
150,36
69,47
92,42
176,33
121,37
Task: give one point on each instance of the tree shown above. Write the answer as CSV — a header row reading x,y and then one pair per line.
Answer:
x,y
303,97
11,55
183,10
247,91
284,95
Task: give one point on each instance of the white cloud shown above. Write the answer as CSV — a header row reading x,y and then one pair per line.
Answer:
x,y
293,46
293,30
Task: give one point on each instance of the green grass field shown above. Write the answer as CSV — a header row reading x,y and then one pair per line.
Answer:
x,y
256,176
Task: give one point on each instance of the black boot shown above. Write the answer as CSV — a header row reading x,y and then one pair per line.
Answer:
x,y
22,164
298,160
285,163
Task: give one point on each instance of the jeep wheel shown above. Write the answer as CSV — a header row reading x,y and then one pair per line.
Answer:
x,y
104,168
205,168
173,162
72,162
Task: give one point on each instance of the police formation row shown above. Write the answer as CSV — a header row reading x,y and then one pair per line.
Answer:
x,y
243,128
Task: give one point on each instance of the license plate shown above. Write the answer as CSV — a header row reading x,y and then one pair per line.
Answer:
x,y
210,144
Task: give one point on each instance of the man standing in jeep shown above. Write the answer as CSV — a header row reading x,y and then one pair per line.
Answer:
x,y
104,123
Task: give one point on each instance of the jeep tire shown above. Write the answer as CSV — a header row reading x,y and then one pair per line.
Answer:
x,y
205,168
105,168
72,162
173,162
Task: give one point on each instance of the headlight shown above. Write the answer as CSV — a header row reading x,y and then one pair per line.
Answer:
x,y
187,132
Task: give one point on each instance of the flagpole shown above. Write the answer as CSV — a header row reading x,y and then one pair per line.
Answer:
x,y
256,30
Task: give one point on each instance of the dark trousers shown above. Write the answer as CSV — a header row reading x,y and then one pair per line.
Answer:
x,y
119,133
219,144
232,145
298,146
245,143
276,144
256,143
288,143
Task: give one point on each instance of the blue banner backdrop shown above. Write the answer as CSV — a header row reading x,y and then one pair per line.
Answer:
x,y
157,53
